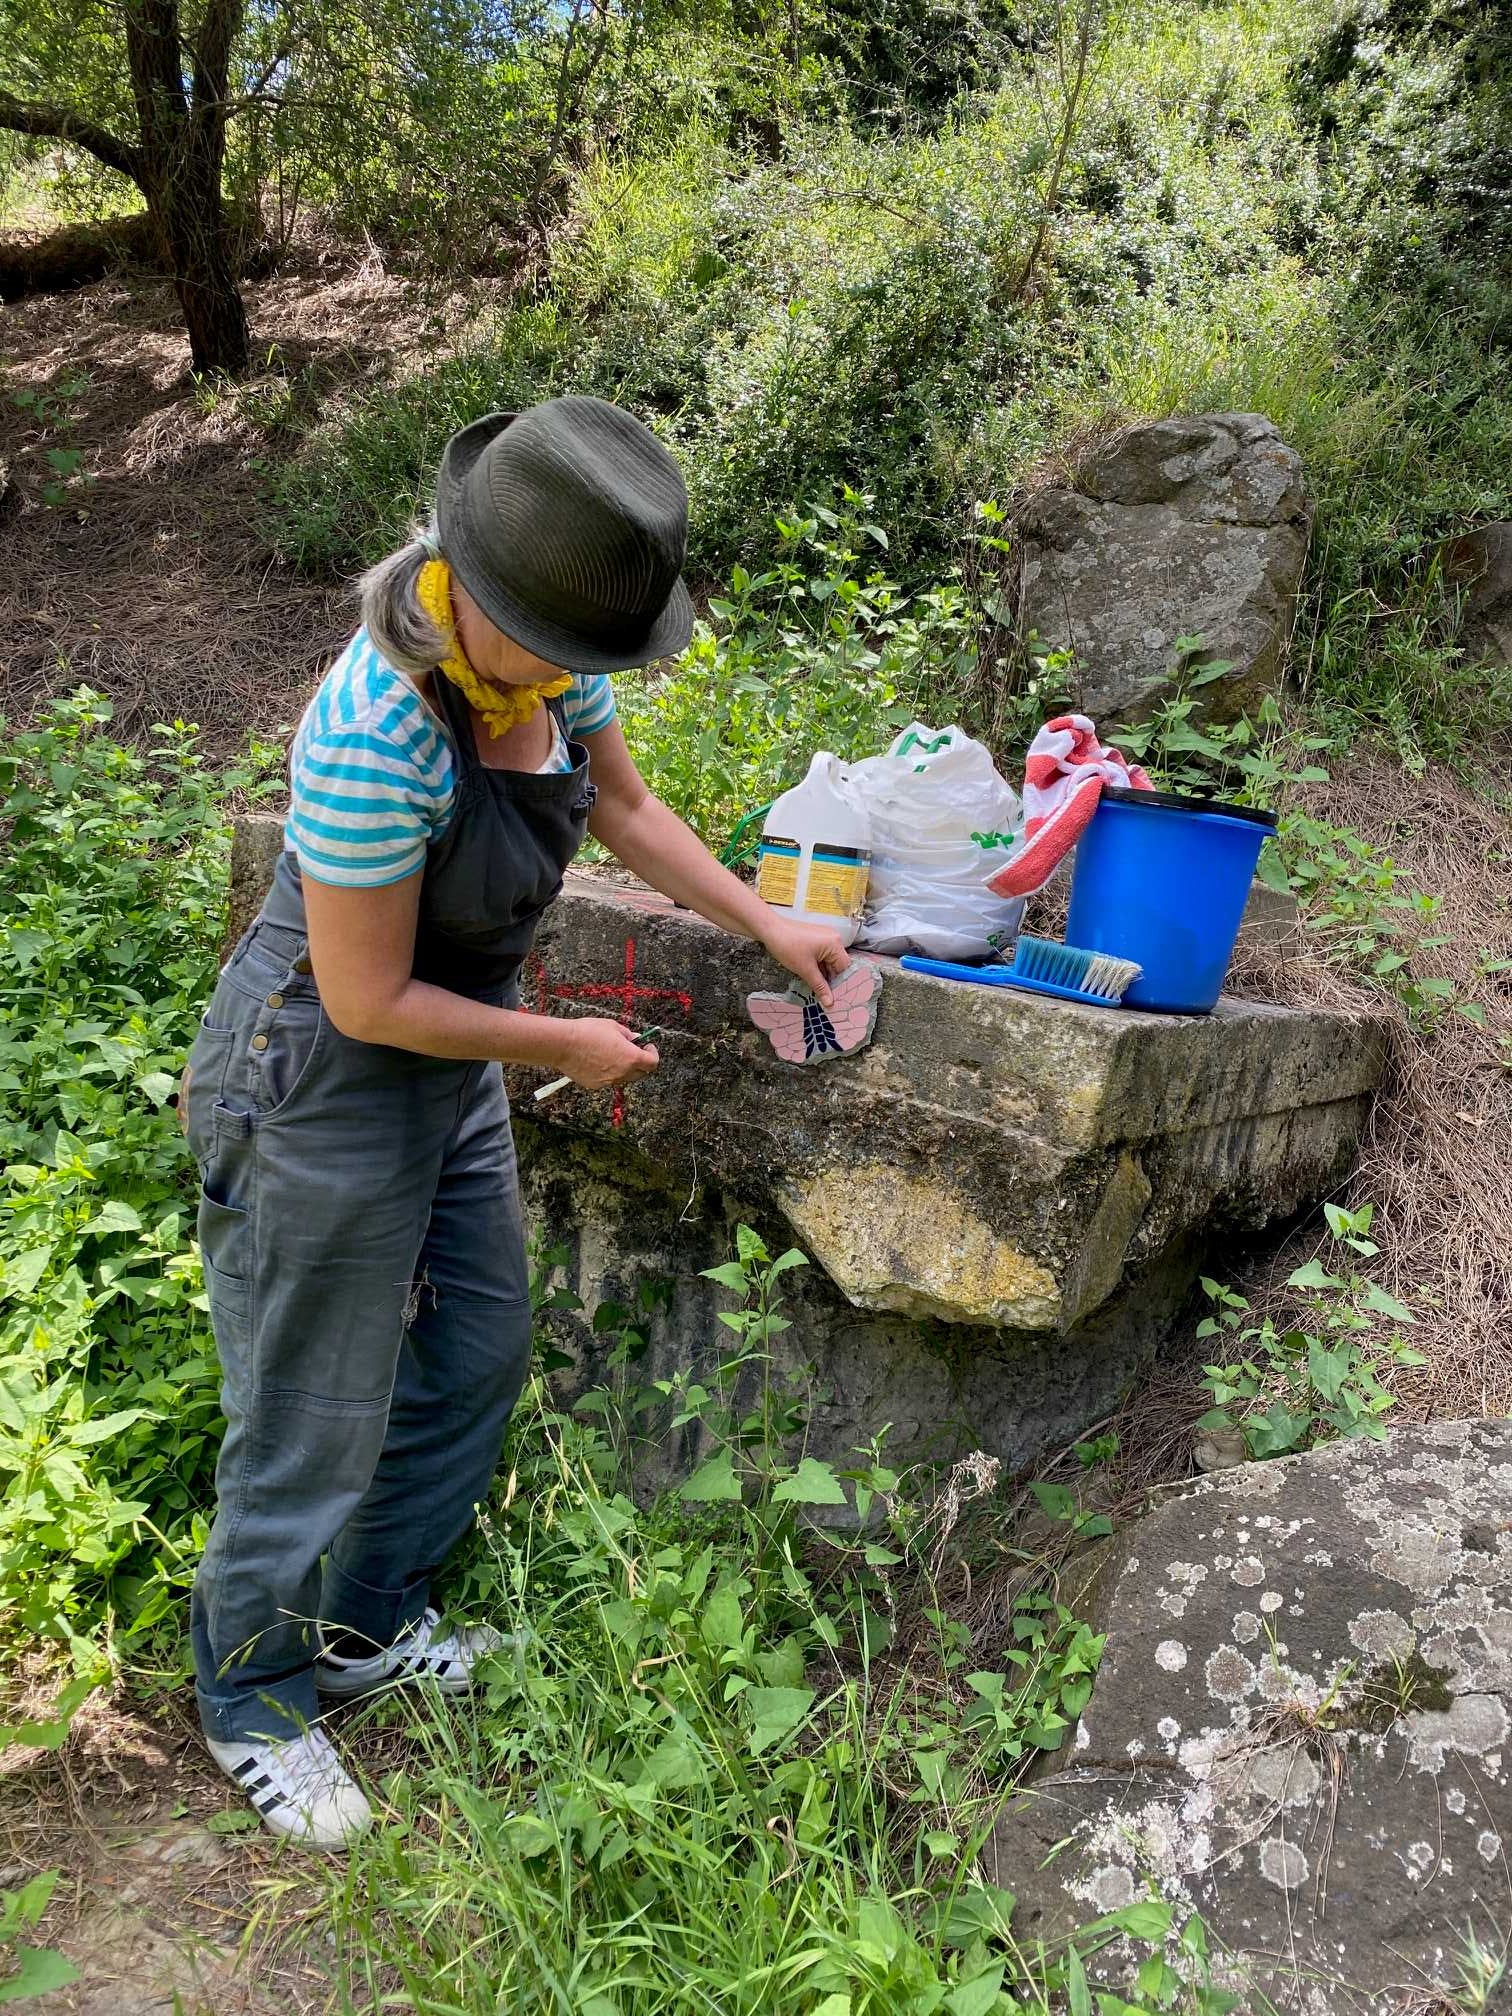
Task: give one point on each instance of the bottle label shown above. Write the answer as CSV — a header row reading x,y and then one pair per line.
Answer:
x,y
837,881
777,871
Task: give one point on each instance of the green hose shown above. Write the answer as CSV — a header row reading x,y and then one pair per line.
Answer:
x,y
734,852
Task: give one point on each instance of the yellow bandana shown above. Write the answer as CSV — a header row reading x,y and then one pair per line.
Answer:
x,y
502,707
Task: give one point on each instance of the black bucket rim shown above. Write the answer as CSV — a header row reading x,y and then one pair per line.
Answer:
x,y
1175,801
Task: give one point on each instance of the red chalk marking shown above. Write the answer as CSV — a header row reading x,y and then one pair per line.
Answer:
x,y
627,992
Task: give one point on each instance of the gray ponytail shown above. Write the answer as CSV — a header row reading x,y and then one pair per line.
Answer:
x,y
391,612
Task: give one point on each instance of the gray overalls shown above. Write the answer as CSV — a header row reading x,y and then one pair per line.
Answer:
x,y
364,1256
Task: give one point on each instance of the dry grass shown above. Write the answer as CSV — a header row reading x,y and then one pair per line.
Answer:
x,y
1437,1160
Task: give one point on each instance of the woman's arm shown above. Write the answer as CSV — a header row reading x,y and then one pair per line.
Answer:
x,y
362,947
655,844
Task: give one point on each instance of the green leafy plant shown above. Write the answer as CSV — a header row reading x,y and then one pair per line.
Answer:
x,y
29,1971
1353,899
1294,1387
109,1413
699,1773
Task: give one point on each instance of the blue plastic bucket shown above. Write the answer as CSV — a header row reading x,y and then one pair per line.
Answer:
x,y
1164,880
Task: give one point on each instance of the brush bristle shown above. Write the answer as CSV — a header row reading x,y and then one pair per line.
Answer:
x,y
1098,975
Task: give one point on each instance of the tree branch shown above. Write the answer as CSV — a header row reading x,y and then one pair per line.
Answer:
x,y
56,122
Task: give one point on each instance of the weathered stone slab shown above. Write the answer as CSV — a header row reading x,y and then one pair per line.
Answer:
x,y
256,843
1006,1198
1300,1728
993,1157
1185,527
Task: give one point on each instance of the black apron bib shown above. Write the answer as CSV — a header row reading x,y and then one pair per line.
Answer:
x,y
492,873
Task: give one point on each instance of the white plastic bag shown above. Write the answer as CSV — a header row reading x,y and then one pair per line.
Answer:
x,y
942,821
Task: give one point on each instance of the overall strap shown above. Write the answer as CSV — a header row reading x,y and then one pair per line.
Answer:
x,y
454,711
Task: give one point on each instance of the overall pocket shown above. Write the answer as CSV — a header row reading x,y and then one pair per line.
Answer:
x,y
201,1086
225,1239
283,1049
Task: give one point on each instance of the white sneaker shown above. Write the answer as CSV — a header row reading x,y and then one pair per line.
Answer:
x,y
300,1788
421,1654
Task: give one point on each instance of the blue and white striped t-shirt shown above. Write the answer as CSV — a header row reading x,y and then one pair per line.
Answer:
x,y
372,773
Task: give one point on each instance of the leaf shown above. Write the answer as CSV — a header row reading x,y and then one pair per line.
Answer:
x,y
24,1270
1055,1500
114,1217
39,1971
731,1275
775,1713
783,1665
1078,2000
236,1820
104,1426
940,1844
1275,1431
1075,1695
1327,1369
834,2005
977,1996
1375,1297
723,1624
1149,1919
157,1085
529,1836
1313,1275
812,1483
713,1482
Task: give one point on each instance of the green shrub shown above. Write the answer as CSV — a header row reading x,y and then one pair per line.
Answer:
x,y
821,650
110,919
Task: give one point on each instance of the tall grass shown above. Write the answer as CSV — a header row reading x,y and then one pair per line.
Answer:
x,y
704,1776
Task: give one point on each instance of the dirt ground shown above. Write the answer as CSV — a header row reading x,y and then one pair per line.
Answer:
x,y
150,578
161,1914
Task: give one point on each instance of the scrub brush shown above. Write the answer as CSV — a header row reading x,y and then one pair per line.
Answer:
x,y
1102,975
1041,967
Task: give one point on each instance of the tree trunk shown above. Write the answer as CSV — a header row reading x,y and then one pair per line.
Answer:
x,y
194,226
183,150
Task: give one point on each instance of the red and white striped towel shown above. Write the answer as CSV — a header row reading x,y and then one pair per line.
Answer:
x,y
1064,775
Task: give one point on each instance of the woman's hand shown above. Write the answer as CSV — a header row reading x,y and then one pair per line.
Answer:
x,y
811,951
596,1052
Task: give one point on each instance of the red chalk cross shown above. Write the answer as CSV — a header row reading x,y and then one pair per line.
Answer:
x,y
627,992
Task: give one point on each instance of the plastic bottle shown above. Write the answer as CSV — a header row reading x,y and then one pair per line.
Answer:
x,y
816,851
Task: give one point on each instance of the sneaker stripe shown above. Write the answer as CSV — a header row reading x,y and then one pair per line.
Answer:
x,y
271,1804
258,1784
247,1764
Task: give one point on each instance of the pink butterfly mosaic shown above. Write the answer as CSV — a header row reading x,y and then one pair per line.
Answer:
x,y
801,1032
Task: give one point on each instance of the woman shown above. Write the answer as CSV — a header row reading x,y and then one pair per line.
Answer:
x,y
360,1217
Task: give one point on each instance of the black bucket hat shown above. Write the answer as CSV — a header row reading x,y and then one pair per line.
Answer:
x,y
567,525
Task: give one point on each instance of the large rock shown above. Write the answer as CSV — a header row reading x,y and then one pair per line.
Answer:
x,y
1300,1729
1175,528
1480,565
